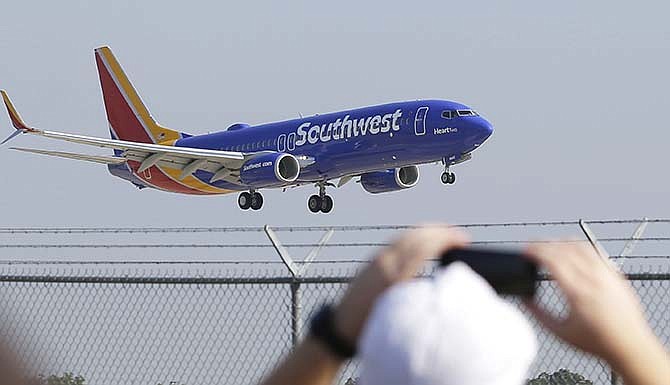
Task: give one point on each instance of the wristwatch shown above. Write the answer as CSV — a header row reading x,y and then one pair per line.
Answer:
x,y
322,328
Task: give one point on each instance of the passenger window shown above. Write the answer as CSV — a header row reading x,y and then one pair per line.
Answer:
x,y
291,141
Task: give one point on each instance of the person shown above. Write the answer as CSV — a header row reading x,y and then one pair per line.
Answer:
x,y
452,329
604,317
11,368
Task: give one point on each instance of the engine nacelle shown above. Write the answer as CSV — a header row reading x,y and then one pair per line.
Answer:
x,y
390,180
270,170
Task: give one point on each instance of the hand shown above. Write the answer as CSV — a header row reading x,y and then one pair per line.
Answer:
x,y
398,262
605,316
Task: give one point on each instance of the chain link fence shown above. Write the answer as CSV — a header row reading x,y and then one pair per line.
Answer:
x,y
216,322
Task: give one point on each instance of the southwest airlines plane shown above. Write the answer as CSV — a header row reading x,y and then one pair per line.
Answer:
x,y
380,146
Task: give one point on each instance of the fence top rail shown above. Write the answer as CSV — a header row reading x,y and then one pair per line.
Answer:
x,y
339,261
279,280
87,230
234,280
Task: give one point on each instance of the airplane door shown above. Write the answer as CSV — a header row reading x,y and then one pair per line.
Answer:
x,y
281,143
420,121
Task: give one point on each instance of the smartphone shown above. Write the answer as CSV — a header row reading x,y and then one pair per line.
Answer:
x,y
508,272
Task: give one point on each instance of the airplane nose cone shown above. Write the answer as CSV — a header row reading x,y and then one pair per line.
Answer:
x,y
485,129
480,130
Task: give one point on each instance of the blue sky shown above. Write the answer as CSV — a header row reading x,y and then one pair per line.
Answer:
x,y
577,93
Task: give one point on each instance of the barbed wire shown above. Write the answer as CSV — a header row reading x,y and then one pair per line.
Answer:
x,y
237,229
288,245
181,262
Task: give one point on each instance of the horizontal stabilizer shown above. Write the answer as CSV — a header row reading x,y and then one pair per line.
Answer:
x,y
71,155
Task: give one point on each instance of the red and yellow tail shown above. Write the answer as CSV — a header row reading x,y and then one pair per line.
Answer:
x,y
14,116
129,119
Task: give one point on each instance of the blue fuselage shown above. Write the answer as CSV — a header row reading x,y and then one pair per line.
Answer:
x,y
357,141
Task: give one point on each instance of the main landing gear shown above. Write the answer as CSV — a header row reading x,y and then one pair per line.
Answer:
x,y
321,202
250,200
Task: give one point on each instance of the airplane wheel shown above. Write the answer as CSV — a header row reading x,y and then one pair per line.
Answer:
x,y
452,178
256,201
314,203
326,204
445,178
244,200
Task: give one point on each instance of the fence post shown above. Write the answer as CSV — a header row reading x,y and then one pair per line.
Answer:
x,y
593,240
296,273
605,257
295,313
634,239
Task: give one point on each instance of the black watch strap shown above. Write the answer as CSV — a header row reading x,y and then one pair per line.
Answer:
x,y
323,329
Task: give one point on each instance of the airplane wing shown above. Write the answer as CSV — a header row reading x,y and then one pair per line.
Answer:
x,y
70,155
224,165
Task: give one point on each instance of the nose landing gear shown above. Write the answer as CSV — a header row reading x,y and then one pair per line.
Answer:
x,y
250,200
447,177
321,202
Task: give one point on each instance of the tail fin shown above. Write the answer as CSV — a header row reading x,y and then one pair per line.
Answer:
x,y
129,119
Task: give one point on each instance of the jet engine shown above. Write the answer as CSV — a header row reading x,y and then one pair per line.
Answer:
x,y
270,170
390,180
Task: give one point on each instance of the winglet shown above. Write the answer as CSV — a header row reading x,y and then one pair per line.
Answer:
x,y
14,116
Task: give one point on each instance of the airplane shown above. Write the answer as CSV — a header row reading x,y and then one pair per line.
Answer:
x,y
379,146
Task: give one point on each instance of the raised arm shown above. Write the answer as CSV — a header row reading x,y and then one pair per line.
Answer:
x,y
605,316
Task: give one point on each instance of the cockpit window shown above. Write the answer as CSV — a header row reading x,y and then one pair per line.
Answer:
x,y
449,114
466,113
